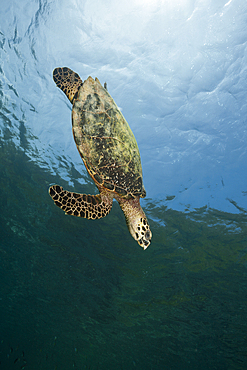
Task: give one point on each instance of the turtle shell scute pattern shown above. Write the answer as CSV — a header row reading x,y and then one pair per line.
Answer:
x,y
106,142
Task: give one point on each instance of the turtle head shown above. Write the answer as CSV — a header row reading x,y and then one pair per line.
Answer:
x,y
136,221
140,230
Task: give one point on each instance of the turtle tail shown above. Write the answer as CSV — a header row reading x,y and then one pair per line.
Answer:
x,y
80,205
68,81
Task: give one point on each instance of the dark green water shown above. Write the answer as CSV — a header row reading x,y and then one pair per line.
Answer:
x,y
79,294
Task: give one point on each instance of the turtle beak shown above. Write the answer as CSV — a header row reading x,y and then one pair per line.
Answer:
x,y
145,244
145,241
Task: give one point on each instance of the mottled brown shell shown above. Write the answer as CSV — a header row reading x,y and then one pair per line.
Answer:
x,y
106,142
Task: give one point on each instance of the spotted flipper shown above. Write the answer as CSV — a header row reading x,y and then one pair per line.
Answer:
x,y
80,205
68,81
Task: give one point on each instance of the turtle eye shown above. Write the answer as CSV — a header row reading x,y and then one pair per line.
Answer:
x,y
148,235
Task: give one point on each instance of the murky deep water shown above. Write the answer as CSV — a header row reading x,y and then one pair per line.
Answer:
x,y
80,294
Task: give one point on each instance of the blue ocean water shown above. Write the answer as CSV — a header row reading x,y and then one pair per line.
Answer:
x,y
81,294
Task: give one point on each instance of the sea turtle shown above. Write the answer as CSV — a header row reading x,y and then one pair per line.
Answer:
x,y
110,153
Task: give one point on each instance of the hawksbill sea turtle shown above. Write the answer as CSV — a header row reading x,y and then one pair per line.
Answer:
x,y
110,153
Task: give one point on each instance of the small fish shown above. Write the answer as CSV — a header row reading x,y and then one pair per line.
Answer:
x,y
17,359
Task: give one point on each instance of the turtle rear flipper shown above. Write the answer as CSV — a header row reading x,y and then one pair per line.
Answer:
x,y
80,205
68,81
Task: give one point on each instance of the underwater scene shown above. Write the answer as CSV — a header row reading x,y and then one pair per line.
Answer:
x,y
82,294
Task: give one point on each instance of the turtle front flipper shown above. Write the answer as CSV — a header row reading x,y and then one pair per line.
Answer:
x,y
80,205
68,81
